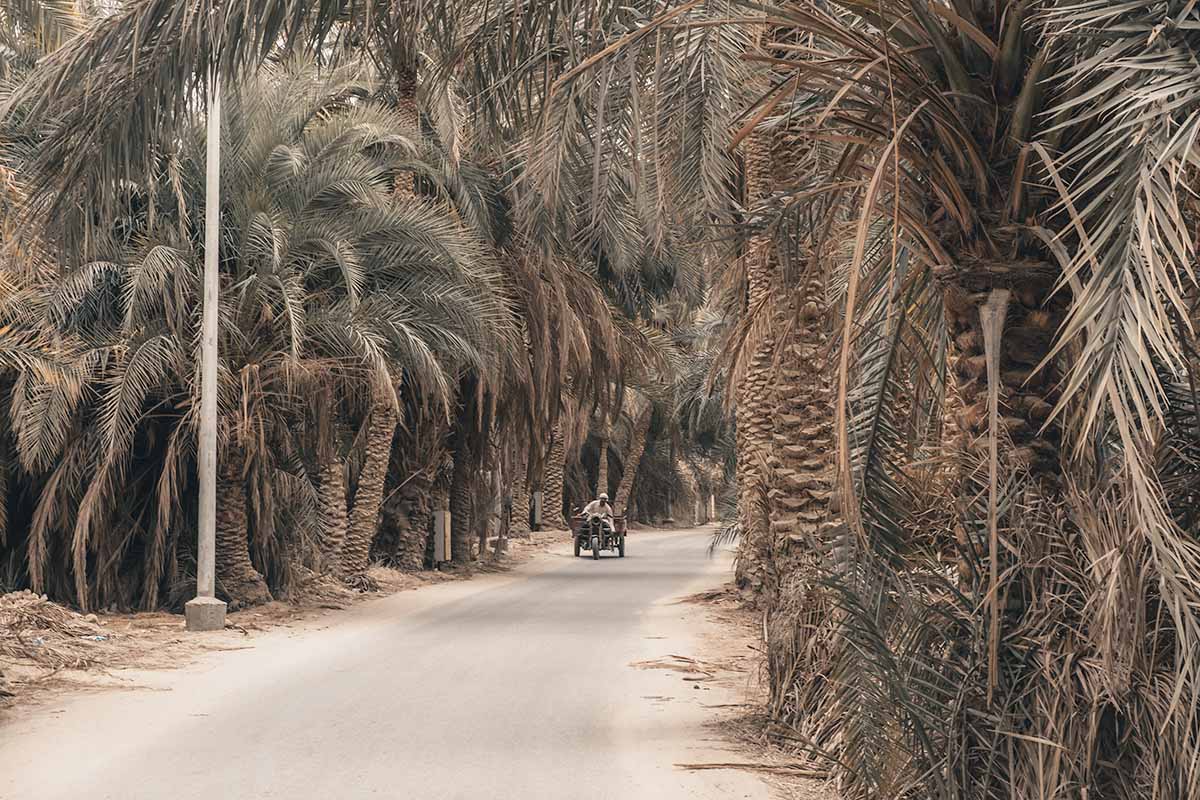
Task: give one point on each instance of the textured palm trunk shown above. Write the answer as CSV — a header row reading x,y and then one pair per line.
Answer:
x,y
602,466
801,619
519,527
335,522
686,499
802,459
368,496
410,553
460,506
552,485
410,117
1026,397
633,457
495,518
754,406
408,519
236,576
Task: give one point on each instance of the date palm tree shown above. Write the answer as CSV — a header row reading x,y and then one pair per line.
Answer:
x,y
1011,187
329,281
691,72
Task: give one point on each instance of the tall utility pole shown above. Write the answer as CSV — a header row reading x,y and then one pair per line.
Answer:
x,y
205,612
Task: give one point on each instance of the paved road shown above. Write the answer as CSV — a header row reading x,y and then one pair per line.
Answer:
x,y
517,686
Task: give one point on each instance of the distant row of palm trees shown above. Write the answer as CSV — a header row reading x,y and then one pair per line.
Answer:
x,y
394,339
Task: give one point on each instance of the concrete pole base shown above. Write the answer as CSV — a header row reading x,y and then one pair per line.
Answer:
x,y
205,614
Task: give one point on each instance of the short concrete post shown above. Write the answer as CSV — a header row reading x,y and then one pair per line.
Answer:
x,y
441,536
204,614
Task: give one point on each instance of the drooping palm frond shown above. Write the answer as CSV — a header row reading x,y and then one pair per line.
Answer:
x,y
31,28
1131,78
125,89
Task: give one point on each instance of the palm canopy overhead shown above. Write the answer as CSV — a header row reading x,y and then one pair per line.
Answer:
x,y
994,136
638,139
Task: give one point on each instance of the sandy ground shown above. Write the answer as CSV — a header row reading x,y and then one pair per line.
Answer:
x,y
728,652
563,678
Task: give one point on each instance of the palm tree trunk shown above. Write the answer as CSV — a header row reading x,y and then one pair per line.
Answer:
x,y
409,114
497,502
1026,397
460,505
754,406
802,466
236,576
406,97
519,528
335,522
602,466
633,456
552,486
368,496
414,541
687,498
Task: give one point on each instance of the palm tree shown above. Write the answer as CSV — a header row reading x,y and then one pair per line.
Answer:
x,y
985,179
29,30
330,283
603,433
638,411
520,492
755,385
637,198
552,482
368,496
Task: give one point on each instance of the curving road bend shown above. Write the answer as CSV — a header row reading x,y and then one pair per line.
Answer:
x,y
512,687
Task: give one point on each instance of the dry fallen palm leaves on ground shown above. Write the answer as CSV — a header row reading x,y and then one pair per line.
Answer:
x,y
37,632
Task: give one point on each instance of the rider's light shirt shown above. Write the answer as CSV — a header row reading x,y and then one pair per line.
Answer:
x,y
598,507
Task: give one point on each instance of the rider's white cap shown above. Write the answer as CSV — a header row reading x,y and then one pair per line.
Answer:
x,y
604,495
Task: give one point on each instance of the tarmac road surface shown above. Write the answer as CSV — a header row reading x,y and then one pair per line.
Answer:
x,y
507,687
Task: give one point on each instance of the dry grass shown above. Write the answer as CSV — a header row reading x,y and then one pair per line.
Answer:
x,y
38,631
894,686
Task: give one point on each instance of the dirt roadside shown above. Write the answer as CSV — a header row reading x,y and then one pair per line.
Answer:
x,y
47,649
728,655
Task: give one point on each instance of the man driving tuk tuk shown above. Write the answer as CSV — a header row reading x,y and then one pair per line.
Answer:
x,y
599,508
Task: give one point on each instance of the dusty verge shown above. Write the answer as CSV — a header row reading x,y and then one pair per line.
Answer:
x,y
727,657
47,649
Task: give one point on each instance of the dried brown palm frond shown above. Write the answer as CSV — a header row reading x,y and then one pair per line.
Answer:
x,y
33,629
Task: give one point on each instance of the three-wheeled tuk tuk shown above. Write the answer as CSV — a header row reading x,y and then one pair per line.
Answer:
x,y
596,533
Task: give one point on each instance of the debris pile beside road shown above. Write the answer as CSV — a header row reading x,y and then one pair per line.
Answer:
x,y
34,630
